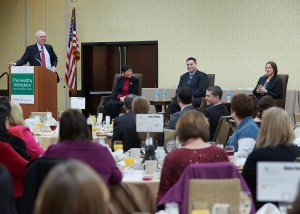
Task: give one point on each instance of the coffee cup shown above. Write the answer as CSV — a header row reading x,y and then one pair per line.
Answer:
x,y
149,167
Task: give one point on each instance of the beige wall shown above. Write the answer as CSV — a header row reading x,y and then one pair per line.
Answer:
x,y
231,38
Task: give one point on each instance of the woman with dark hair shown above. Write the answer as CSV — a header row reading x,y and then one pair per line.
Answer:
x,y
269,84
13,154
264,103
74,188
74,143
193,131
244,137
126,84
7,205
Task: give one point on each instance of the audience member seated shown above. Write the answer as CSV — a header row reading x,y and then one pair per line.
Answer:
x,y
74,144
215,110
13,155
72,187
184,99
195,80
269,84
264,103
140,105
126,84
274,143
193,131
5,102
7,204
17,122
244,137
125,128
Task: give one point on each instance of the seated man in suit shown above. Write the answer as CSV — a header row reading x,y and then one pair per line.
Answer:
x,y
196,80
215,110
123,124
184,99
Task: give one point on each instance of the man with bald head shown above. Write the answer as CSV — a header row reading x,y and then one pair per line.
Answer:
x,y
39,54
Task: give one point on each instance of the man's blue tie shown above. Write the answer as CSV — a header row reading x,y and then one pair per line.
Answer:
x,y
190,79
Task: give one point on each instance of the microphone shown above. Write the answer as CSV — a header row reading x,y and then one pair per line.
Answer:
x,y
36,58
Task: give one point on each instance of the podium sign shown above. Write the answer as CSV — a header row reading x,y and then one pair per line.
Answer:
x,y
22,84
34,88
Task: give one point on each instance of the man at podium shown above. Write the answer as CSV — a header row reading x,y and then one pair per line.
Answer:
x,y
39,54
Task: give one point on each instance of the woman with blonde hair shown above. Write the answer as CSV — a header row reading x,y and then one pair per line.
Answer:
x,y
274,143
17,123
193,132
72,188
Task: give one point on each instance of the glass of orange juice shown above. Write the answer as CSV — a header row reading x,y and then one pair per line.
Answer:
x,y
93,119
129,160
118,144
94,129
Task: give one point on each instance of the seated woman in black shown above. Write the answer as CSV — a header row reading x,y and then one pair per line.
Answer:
x,y
269,84
126,84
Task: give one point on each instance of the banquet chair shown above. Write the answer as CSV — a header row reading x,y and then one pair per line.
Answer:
x,y
37,171
296,118
211,191
219,170
169,134
224,129
281,102
104,99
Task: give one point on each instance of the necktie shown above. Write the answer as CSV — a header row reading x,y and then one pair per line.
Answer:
x,y
190,79
43,57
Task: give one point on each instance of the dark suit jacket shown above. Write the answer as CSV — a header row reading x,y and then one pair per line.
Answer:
x,y
198,84
172,122
125,130
133,86
213,114
274,87
32,55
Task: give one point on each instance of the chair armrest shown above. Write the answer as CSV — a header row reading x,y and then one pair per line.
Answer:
x,y
104,99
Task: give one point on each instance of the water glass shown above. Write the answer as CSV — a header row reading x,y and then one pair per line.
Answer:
x,y
143,145
107,120
172,208
229,150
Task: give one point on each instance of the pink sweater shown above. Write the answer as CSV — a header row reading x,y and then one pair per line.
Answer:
x,y
33,147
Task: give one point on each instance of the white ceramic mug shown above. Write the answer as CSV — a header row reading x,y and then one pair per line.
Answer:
x,y
149,167
136,153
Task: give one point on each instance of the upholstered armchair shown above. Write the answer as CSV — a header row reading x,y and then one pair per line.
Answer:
x,y
281,102
104,99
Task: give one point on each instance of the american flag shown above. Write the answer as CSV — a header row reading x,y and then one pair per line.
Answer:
x,y
73,55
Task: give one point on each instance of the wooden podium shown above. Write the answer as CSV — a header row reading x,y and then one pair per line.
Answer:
x,y
45,92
